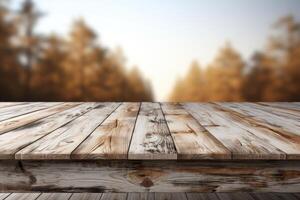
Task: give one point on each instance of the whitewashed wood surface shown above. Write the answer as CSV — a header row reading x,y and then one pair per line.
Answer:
x,y
149,131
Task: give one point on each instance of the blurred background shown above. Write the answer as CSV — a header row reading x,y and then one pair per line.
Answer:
x,y
140,50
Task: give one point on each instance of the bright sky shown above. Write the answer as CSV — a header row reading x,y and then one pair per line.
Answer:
x,y
162,37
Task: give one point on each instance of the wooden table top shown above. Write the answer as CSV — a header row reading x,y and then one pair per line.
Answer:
x,y
149,131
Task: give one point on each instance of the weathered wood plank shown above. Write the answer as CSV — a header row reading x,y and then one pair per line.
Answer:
x,y
62,142
297,195
54,196
111,139
114,196
295,115
273,196
23,196
286,142
140,196
10,112
283,105
242,143
151,138
8,104
13,141
281,124
149,176
86,196
235,196
202,196
191,139
16,122
4,195
167,196
170,196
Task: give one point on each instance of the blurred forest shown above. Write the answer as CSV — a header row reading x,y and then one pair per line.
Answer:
x,y
271,75
35,67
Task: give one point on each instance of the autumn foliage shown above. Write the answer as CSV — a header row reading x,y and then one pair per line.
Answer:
x,y
272,75
77,67
37,67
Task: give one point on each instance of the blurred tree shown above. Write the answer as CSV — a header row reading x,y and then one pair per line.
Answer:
x,y
82,58
138,89
225,76
192,87
258,80
178,91
284,48
49,76
94,73
10,73
221,81
28,42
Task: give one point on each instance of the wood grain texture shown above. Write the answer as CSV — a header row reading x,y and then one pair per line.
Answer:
x,y
151,138
23,196
170,196
235,196
149,176
287,113
114,196
112,138
203,196
8,104
192,140
16,122
140,196
13,141
274,196
86,196
62,142
54,196
242,143
285,125
286,142
14,111
283,105
150,131
4,195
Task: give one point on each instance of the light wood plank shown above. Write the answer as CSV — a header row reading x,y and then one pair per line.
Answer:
x,y
140,196
8,104
235,196
62,142
283,105
54,196
191,139
10,112
23,196
16,122
286,142
86,196
114,196
151,138
202,196
112,138
281,124
4,195
242,143
279,111
13,141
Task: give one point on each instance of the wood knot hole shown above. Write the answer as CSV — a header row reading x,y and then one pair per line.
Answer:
x,y
147,182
